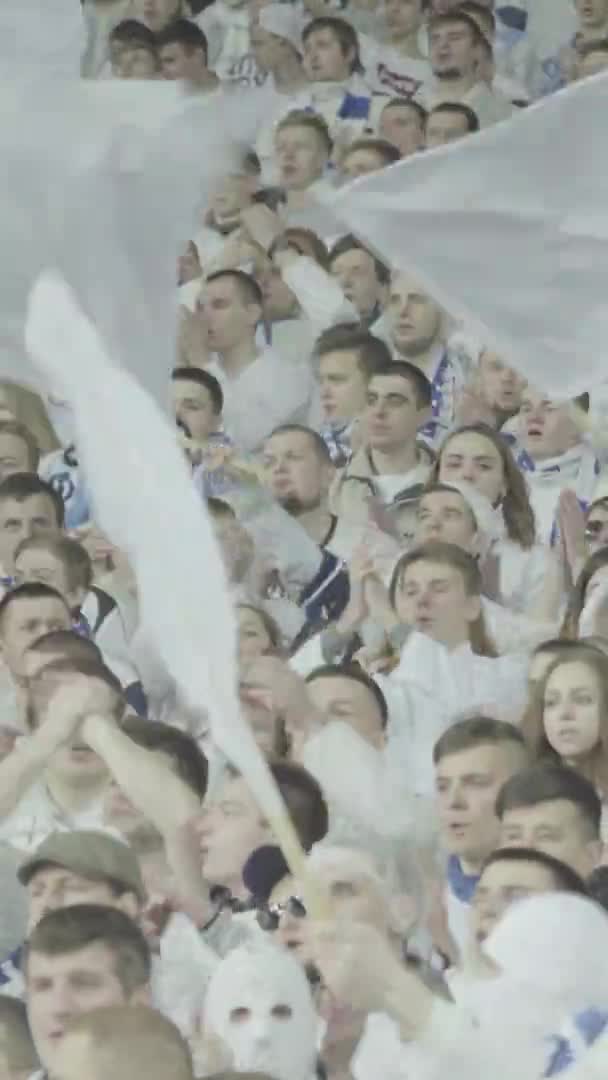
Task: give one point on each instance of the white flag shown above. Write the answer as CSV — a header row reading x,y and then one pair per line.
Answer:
x,y
508,230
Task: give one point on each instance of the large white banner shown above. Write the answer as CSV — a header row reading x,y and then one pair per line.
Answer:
x,y
508,229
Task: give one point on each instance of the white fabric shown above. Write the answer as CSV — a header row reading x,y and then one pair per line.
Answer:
x,y
458,914
522,574
518,248
432,687
282,20
260,398
489,105
258,977
575,470
111,145
388,72
37,815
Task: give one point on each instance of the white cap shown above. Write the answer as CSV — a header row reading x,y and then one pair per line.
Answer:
x,y
282,20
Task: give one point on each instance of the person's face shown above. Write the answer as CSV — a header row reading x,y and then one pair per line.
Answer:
x,y
473,458
502,884
14,455
74,763
295,473
157,13
392,417
268,49
54,887
230,319
341,698
444,515
401,126
571,710
501,386
444,127
24,622
546,428
361,162
176,62
592,14
62,987
301,157
323,58
36,564
356,272
403,18
415,318
597,527
231,196
193,407
230,829
136,63
279,301
19,520
254,640
467,784
354,895
453,52
432,599
555,827
342,386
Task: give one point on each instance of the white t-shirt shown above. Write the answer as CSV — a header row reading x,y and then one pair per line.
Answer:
x,y
36,816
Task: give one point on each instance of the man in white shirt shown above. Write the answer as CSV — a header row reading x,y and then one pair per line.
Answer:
x,y
78,959
472,760
57,777
554,457
402,123
302,150
257,396
456,48
448,122
363,277
299,473
183,52
396,65
417,330
331,62
551,808
347,358
390,463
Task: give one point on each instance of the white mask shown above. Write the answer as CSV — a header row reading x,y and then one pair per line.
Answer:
x,y
259,1003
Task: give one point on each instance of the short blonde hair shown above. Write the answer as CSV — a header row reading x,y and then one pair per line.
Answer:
x,y
136,1041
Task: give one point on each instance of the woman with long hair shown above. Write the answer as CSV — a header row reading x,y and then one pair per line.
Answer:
x,y
478,454
567,718
587,612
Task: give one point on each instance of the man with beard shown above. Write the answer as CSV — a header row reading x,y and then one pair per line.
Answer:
x,y
456,47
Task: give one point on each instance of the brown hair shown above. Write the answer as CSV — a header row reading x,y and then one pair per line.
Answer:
x,y
438,551
68,930
476,731
20,431
594,767
71,554
312,120
270,625
515,505
129,1043
305,242
578,593
91,669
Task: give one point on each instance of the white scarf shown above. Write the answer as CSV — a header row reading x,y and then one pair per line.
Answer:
x,y
234,24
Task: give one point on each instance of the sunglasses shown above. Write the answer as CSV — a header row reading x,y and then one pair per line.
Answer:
x,y
594,528
269,917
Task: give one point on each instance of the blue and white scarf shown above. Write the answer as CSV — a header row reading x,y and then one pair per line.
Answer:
x,y
578,469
